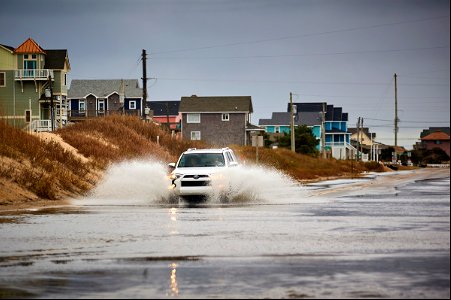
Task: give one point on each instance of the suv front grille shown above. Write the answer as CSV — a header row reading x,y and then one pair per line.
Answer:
x,y
195,183
196,176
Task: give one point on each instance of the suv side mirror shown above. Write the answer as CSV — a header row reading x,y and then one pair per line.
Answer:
x,y
171,165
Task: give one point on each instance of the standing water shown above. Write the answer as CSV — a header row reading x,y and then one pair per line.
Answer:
x,y
385,237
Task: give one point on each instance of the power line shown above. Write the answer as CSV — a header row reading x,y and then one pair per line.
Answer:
x,y
422,122
304,54
297,81
303,35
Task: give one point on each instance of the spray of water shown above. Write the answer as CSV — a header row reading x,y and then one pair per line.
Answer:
x,y
251,184
146,182
131,183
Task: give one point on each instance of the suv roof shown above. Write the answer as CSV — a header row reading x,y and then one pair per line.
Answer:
x,y
194,150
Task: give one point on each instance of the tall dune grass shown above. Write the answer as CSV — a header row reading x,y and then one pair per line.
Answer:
x,y
118,138
44,168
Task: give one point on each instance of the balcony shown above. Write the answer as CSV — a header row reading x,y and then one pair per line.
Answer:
x,y
32,74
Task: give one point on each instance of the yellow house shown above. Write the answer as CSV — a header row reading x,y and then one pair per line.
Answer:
x,y
26,73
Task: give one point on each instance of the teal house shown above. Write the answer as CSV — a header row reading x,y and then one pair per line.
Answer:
x,y
316,115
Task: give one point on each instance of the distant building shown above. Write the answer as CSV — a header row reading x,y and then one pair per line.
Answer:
x,y
102,97
219,120
166,113
337,137
25,74
436,137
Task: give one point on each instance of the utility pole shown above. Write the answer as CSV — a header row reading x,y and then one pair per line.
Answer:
x,y
323,131
167,115
52,112
361,137
144,78
293,146
358,140
396,110
396,116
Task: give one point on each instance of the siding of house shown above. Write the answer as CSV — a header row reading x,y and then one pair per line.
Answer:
x,y
113,103
231,132
7,61
282,129
444,145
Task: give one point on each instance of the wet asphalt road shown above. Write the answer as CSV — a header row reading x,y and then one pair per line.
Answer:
x,y
364,244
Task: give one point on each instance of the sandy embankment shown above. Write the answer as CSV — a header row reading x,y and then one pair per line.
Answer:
x,y
14,197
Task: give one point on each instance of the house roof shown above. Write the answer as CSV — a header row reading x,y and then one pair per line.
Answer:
x,y
436,136
426,132
365,130
164,108
309,118
216,104
29,46
80,88
55,59
332,113
252,127
283,118
308,106
399,149
7,47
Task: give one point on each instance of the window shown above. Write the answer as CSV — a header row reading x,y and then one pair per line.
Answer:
x,y
195,135
132,105
225,117
101,105
193,118
65,79
82,105
277,129
438,142
29,62
2,79
201,160
28,116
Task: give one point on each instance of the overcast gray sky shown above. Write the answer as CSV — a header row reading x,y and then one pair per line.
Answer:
x,y
344,52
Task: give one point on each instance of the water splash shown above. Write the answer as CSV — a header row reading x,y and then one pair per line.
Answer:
x,y
145,182
252,183
131,183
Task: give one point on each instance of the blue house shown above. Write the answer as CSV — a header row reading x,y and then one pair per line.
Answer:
x,y
97,98
337,137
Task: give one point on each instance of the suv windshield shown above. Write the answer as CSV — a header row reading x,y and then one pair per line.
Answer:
x,y
199,160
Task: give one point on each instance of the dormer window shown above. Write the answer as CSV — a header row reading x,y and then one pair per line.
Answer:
x,y
29,61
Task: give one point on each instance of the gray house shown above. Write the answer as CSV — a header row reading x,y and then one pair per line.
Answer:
x,y
97,98
220,121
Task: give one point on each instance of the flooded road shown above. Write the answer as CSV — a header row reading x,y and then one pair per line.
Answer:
x,y
383,236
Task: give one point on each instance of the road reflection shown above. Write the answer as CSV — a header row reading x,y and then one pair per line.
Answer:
x,y
173,225
173,280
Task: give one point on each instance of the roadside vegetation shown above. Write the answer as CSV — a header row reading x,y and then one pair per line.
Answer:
x,y
48,170
117,138
43,168
305,167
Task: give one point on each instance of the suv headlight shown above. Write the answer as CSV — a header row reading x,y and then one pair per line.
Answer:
x,y
175,176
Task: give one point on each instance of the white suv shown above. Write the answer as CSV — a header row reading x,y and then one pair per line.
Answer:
x,y
192,175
